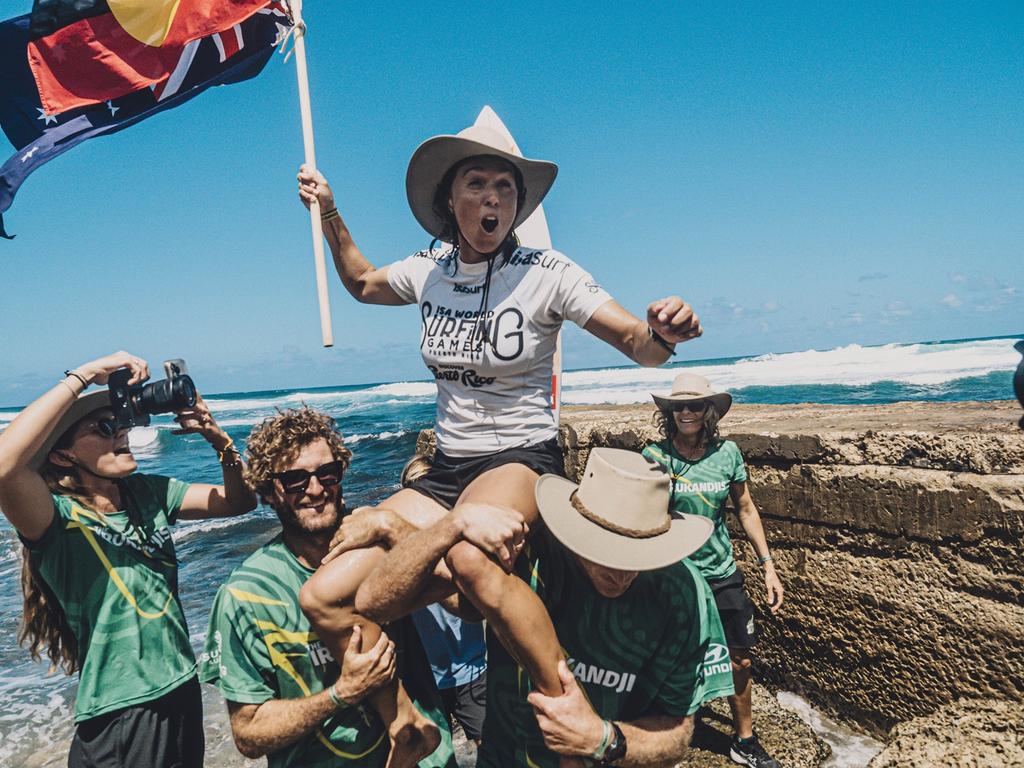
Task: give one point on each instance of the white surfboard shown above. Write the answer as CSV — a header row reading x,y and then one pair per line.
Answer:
x,y
533,233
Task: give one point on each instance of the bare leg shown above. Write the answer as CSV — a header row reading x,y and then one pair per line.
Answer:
x,y
742,718
511,608
328,600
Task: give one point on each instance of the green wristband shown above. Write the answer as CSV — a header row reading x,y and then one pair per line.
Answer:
x,y
599,752
765,559
335,698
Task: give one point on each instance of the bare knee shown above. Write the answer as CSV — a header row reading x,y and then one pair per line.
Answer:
x,y
323,603
470,566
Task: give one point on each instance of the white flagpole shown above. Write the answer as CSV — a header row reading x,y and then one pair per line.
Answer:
x,y
307,141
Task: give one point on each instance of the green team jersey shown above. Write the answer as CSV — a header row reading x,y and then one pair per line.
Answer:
x,y
701,487
260,646
118,587
657,649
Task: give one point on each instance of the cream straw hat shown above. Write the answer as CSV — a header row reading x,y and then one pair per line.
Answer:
x,y
618,516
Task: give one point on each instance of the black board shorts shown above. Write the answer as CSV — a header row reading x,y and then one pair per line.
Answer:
x,y
736,611
163,733
449,475
467,703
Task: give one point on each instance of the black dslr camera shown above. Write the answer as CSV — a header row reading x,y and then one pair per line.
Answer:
x,y
133,404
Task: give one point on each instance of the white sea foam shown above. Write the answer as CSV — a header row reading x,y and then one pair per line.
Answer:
x,y
376,436
424,390
916,364
850,749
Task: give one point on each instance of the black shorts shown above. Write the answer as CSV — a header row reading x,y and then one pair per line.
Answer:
x,y
163,733
467,704
449,475
736,611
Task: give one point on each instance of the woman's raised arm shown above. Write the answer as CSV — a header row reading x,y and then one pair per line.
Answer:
x,y
364,281
24,497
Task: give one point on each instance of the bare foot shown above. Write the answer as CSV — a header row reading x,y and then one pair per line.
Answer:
x,y
411,742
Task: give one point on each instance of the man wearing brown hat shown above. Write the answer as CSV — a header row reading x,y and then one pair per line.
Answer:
x,y
643,642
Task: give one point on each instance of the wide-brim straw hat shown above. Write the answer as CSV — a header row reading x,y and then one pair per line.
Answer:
x,y
618,516
82,407
435,156
690,386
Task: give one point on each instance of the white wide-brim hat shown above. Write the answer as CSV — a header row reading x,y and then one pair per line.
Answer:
x,y
82,407
690,386
436,156
618,516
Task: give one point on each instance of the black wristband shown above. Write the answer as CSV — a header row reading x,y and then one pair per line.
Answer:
x,y
661,342
616,747
85,384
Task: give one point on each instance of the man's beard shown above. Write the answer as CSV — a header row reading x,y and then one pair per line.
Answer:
x,y
309,524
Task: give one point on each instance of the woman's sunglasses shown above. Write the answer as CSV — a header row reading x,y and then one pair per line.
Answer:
x,y
693,406
105,427
297,480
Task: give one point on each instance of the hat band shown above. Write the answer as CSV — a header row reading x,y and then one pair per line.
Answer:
x,y
633,533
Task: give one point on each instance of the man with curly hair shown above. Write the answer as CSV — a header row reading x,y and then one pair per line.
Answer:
x,y
287,698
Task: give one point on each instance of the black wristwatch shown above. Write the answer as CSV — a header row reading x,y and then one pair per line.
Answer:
x,y
616,749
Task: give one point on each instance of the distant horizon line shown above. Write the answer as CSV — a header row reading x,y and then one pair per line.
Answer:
x,y
726,358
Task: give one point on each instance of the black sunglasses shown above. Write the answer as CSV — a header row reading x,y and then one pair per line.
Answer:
x,y
693,406
297,480
105,427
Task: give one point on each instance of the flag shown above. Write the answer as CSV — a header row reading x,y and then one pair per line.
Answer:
x,y
229,56
88,51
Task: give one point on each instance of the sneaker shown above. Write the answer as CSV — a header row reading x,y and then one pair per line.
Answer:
x,y
750,752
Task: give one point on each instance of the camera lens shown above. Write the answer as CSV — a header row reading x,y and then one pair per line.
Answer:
x,y
167,395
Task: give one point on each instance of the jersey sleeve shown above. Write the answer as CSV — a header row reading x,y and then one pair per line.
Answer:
x,y
53,530
167,492
703,670
739,470
406,277
579,295
232,657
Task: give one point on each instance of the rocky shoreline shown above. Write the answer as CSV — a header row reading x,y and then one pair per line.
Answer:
x,y
898,532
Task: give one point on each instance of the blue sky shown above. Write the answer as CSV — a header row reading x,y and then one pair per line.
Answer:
x,y
807,175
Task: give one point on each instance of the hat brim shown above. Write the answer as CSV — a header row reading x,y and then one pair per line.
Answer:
x,y
612,550
434,157
82,407
722,401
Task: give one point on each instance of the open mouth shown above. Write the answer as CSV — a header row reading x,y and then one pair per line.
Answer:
x,y
122,450
489,224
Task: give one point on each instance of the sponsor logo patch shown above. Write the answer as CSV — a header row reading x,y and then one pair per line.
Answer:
x,y
716,660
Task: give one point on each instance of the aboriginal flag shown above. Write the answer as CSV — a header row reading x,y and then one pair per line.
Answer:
x,y
235,54
88,51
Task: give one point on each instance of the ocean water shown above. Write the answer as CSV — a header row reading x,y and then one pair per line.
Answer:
x,y
380,423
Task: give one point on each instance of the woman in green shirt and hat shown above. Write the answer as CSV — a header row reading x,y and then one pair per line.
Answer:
x,y
100,574
706,472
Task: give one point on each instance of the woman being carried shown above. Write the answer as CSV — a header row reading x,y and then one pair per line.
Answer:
x,y
491,312
100,573
706,472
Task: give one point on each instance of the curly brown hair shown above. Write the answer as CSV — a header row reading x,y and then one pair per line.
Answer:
x,y
276,442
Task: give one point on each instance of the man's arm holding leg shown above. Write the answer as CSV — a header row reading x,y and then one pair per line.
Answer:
x,y
571,728
260,729
404,580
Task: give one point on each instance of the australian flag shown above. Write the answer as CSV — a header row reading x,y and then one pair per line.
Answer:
x,y
236,53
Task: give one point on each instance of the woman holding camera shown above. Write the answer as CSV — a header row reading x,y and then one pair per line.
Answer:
x,y
100,574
